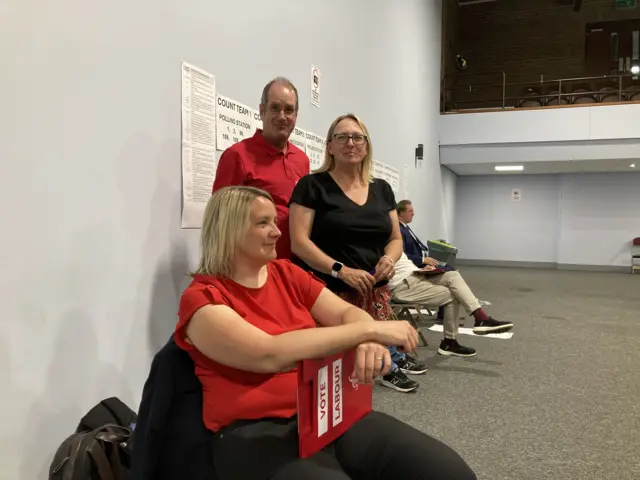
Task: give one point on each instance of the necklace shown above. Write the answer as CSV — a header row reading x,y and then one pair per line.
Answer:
x,y
351,187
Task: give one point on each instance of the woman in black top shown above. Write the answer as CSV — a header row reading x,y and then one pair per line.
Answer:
x,y
344,228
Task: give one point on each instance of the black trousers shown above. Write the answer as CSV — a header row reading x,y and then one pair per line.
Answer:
x,y
377,447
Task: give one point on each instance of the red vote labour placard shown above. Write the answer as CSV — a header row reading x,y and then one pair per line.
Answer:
x,y
330,400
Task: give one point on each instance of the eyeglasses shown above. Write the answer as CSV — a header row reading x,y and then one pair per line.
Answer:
x,y
343,138
288,110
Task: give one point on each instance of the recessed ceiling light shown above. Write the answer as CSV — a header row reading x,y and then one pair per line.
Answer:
x,y
633,165
509,168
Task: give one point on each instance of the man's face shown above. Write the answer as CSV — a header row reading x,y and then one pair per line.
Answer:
x,y
407,215
279,115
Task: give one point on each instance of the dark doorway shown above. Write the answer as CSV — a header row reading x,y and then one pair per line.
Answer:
x,y
612,48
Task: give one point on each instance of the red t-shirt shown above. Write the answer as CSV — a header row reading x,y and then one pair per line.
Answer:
x,y
281,305
255,162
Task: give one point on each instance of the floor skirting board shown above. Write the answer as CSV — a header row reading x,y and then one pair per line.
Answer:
x,y
543,265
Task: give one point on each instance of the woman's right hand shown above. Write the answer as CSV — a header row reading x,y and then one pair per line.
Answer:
x,y
359,280
397,333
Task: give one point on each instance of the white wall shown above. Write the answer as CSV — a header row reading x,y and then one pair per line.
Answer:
x,y
509,153
572,219
490,226
449,187
600,216
93,259
544,125
556,134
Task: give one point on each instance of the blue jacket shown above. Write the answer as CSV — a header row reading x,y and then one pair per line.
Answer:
x,y
412,248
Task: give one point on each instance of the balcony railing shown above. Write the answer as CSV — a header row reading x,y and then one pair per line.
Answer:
x,y
480,91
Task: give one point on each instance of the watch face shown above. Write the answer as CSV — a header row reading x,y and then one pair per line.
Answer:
x,y
337,267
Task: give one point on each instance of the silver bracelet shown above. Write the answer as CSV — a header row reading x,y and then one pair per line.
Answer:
x,y
390,259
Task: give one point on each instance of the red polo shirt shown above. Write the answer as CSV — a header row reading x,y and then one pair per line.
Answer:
x,y
255,162
281,305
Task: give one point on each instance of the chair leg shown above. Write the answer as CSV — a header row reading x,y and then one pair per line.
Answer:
x,y
406,312
415,325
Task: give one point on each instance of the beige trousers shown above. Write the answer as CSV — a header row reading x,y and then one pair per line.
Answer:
x,y
448,290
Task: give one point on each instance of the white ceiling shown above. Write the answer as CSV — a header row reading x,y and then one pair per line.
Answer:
x,y
554,167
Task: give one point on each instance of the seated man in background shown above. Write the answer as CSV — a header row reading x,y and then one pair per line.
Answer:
x,y
247,319
447,290
415,250
418,253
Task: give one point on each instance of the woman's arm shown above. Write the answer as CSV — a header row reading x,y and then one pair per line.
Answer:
x,y
222,335
385,269
300,223
329,310
394,246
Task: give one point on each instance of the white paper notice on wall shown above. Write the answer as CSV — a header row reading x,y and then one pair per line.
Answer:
x,y
315,86
388,173
257,120
234,122
299,139
198,142
315,150
516,195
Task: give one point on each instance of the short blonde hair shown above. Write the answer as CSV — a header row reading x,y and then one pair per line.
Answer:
x,y
366,172
225,223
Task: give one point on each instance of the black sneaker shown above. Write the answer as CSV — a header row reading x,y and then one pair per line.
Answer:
x,y
399,381
491,325
451,347
410,366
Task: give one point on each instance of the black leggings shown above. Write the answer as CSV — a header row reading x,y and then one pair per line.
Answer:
x,y
377,447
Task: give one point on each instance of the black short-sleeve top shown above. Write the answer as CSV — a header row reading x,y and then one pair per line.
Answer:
x,y
352,234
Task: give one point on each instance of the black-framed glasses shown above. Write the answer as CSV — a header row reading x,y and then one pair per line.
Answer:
x,y
343,138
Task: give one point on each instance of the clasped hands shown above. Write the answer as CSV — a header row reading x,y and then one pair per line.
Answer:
x,y
373,358
362,281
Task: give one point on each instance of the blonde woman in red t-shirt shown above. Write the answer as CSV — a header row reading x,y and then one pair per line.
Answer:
x,y
248,319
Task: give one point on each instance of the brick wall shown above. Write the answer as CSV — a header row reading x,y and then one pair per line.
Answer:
x,y
450,37
527,39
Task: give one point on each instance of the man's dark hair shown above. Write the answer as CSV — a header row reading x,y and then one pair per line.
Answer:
x,y
281,80
402,206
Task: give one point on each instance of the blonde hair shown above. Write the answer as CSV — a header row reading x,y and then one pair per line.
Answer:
x,y
225,223
366,172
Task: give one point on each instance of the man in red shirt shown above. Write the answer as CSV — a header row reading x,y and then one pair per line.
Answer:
x,y
268,160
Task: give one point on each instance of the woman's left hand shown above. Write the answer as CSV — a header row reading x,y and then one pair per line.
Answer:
x,y
384,269
372,360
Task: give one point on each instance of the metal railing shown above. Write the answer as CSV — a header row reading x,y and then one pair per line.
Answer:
x,y
492,90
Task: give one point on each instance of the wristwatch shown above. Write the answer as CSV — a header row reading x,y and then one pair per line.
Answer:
x,y
335,269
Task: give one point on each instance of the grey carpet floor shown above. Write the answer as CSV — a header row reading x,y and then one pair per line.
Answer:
x,y
560,400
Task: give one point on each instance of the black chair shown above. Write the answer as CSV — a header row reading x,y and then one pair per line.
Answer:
x,y
632,93
556,97
582,93
171,441
530,97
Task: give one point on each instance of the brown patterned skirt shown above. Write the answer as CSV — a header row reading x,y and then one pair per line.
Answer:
x,y
376,304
